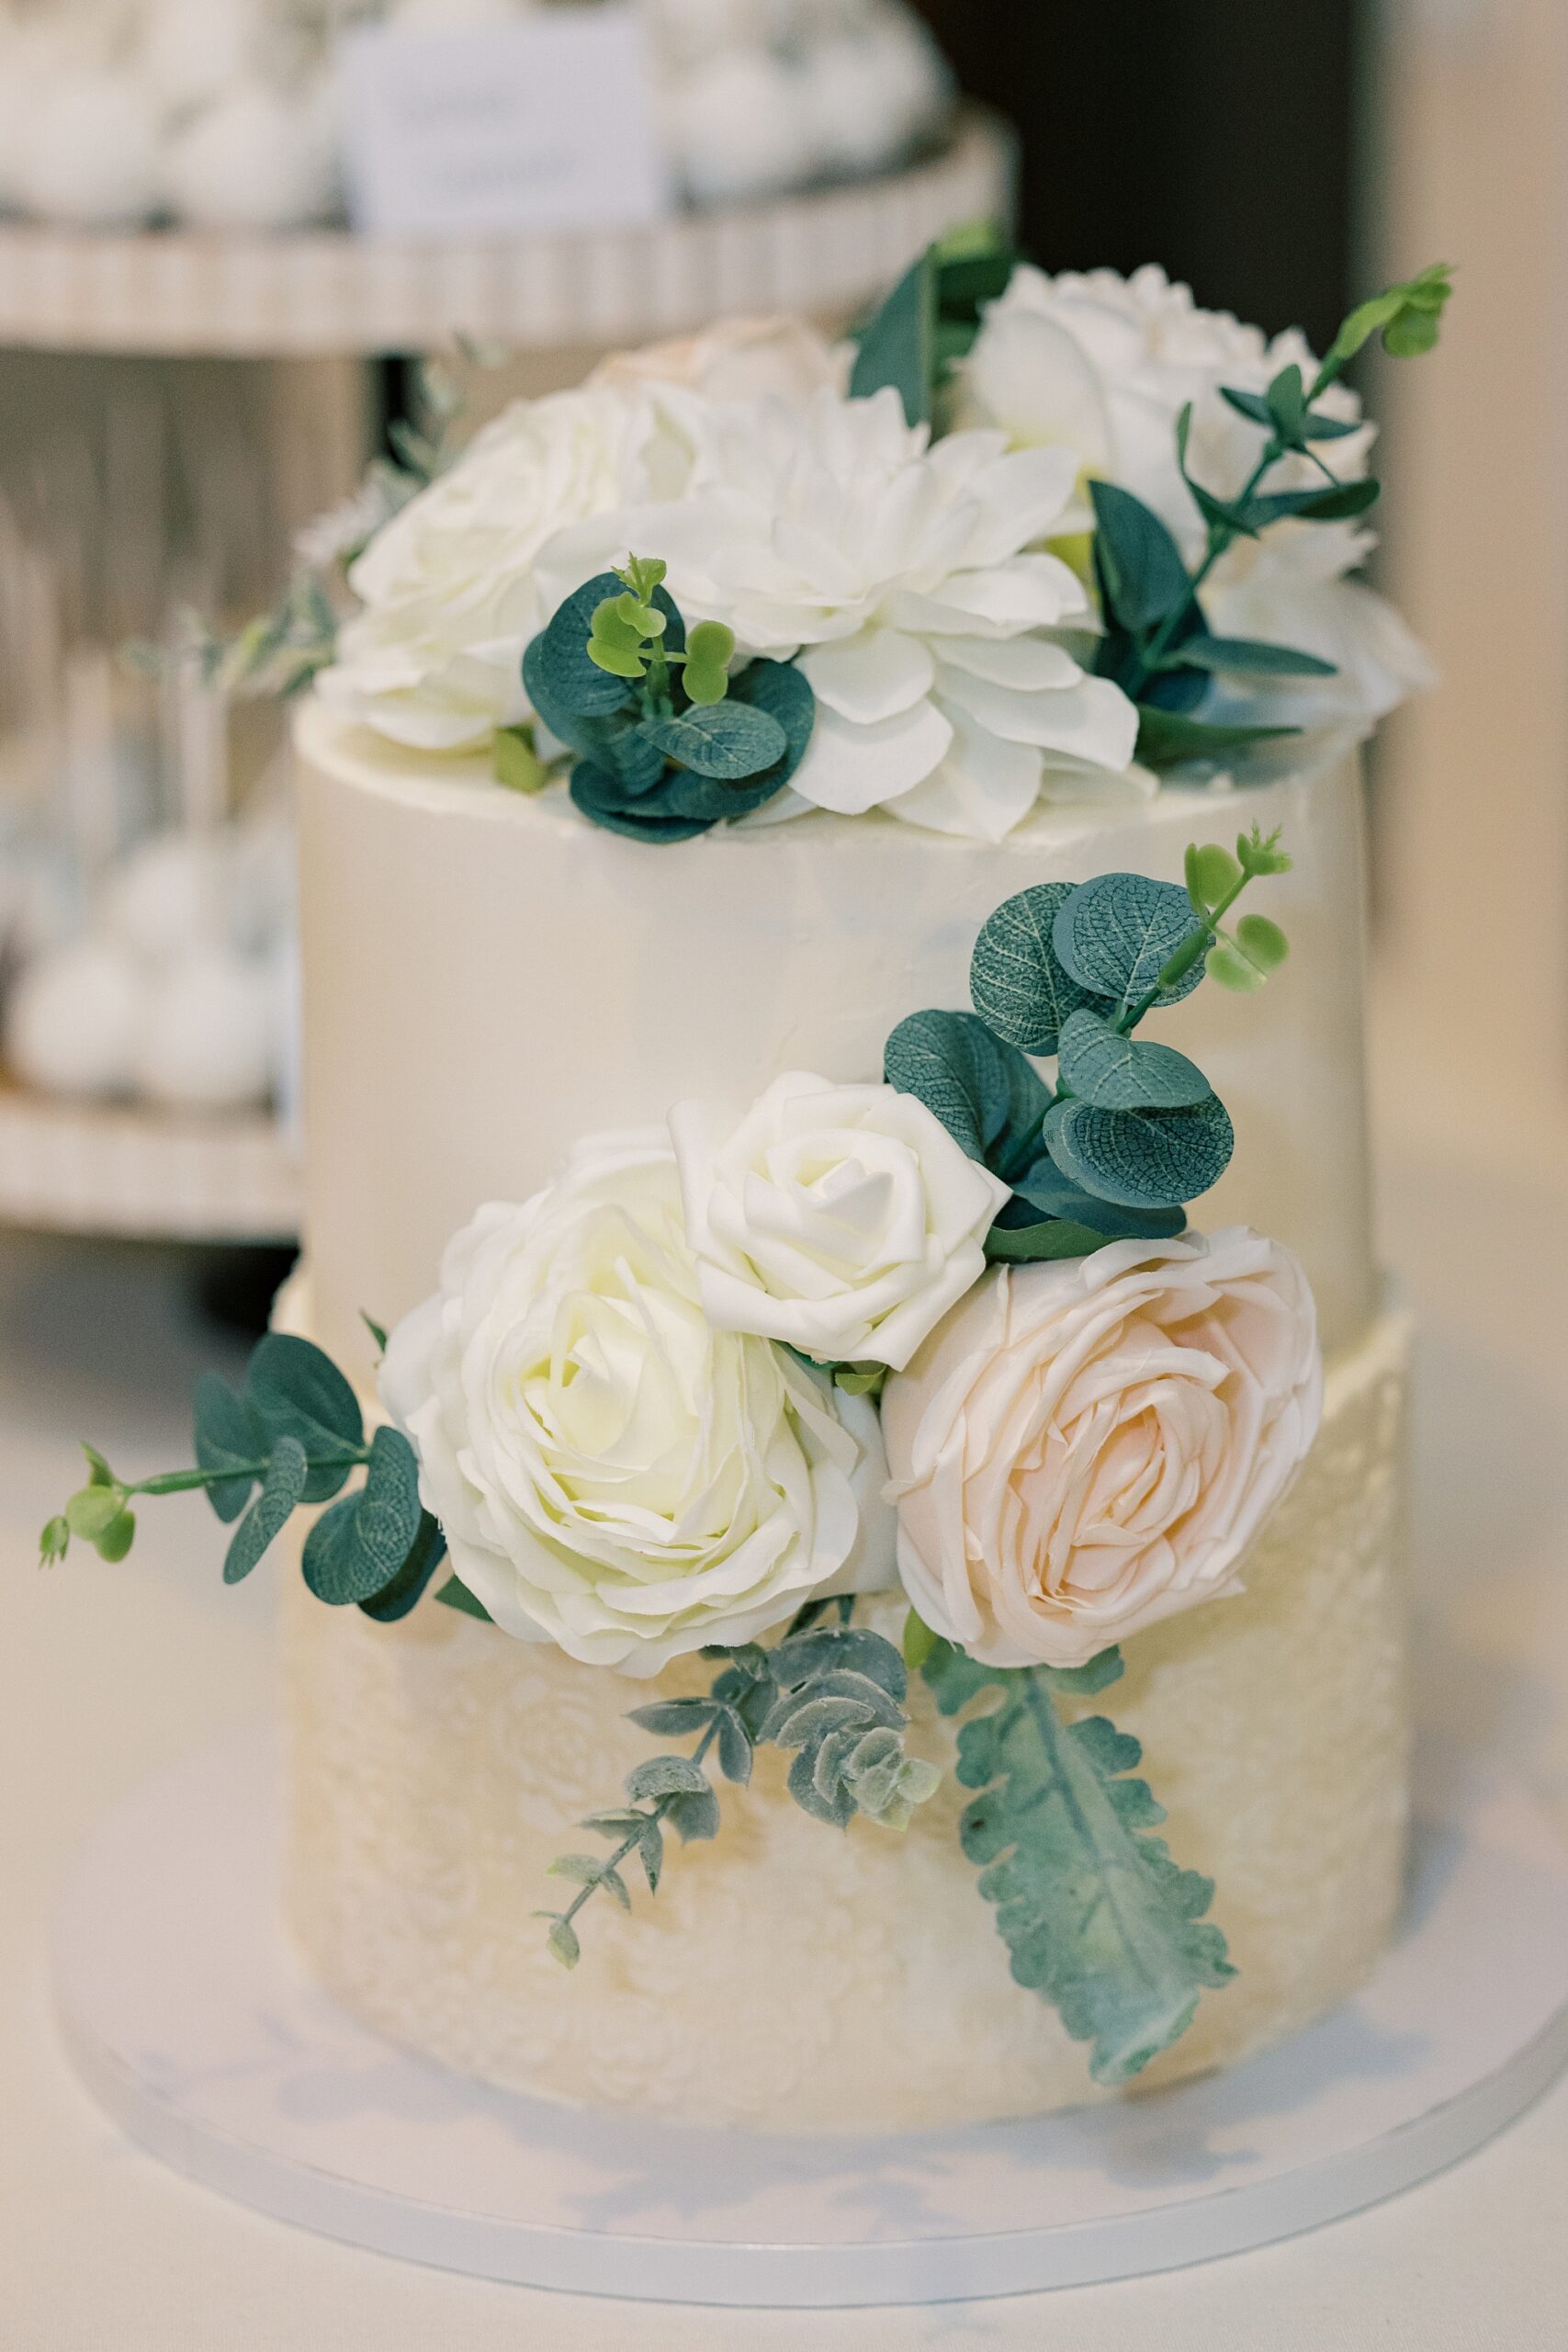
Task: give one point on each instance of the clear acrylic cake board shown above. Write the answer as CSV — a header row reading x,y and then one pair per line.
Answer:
x,y
197,2027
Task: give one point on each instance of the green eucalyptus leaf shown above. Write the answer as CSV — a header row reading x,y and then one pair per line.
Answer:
x,y
455,1595
298,1392
692,1816
728,740
1168,739
674,1718
228,1432
1333,503
987,1095
563,682
1145,579
90,1511
359,1548
1020,987
897,348
1212,874
1044,1188
1233,970
606,799
1040,1243
408,1587
516,763
116,1538
782,693
1122,1073
1144,1158
1116,933
562,1940
1262,941
99,1471
282,1492
664,1776
1252,657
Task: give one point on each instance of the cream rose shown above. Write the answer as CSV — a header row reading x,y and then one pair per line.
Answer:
x,y
1086,1447
737,359
843,1219
612,1473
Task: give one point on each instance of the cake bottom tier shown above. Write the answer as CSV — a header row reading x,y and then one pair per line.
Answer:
x,y
791,1977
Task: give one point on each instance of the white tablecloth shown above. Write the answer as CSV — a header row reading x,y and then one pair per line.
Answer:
x,y
107,1671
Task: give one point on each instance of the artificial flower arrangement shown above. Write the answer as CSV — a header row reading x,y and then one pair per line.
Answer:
x,y
950,1330
1064,537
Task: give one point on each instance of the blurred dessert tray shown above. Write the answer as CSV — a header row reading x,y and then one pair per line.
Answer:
x,y
826,252
140,1173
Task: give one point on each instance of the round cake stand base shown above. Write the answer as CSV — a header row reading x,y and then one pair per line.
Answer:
x,y
198,2029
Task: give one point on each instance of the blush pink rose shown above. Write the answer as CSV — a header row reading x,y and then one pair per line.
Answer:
x,y
1084,1447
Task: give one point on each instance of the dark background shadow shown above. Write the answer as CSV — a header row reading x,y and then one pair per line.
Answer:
x,y
1218,136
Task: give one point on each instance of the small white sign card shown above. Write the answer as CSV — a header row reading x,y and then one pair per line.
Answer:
x,y
544,124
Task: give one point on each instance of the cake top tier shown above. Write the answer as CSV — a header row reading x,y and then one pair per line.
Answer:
x,y
1035,540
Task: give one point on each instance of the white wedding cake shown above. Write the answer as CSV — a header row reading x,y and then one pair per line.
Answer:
x,y
769,840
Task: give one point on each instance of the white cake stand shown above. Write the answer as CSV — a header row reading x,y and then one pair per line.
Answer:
x,y
826,251
197,2029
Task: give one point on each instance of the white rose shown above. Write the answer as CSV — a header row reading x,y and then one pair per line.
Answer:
x,y
1086,1447
1102,366
907,579
612,1473
739,359
448,587
844,1220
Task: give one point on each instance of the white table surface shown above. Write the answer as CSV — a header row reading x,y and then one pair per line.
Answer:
x,y
104,1672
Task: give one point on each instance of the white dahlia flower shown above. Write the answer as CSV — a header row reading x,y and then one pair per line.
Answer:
x,y
908,580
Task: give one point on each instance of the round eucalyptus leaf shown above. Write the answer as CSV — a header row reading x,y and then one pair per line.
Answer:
x,y
987,1097
1016,978
300,1393
1042,1188
1212,872
1142,1159
282,1492
729,741
606,799
785,693
116,1538
1118,1073
1230,968
1262,941
1114,936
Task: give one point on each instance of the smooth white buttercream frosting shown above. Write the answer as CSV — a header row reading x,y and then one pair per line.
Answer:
x,y
488,977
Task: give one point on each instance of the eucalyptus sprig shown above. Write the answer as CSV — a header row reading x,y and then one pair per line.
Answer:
x,y
628,634
1129,1131
667,744
293,1437
1156,642
833,1695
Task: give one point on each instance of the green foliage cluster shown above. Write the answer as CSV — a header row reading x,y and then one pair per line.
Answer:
x,y
668,744
832,1695
291,1438
1131,1130
1097,1916
1156,643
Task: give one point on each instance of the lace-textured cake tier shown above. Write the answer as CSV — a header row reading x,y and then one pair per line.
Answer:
x,y
788,1976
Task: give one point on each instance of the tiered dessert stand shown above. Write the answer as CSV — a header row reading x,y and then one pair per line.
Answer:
x,y
555,301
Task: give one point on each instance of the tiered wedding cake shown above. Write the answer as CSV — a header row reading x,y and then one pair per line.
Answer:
x,y
836,1317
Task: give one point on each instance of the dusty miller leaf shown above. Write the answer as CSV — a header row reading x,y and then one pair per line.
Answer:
x,y
1097,1916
